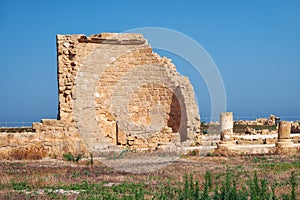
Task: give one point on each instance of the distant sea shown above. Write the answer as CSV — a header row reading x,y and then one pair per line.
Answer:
x,y
282,118
203,119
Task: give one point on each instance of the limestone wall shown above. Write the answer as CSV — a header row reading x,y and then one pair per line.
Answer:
x,y
49,138
113,92
118,92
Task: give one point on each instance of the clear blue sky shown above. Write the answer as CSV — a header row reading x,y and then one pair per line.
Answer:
x,y
255,44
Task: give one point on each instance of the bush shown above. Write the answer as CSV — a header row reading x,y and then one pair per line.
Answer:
x,y
70,157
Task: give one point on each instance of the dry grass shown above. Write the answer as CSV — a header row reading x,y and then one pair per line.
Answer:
x,y
29,153
47,173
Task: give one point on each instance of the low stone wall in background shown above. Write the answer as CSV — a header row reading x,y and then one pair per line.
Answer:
x,y
50,138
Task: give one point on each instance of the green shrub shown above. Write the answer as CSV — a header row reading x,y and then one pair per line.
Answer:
x,y
20,186
229,185
70,157
294,183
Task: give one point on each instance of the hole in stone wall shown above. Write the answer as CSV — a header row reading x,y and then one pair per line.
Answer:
x,y
183,115
175,115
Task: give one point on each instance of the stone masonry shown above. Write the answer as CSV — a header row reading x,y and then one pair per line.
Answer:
x,y
115,91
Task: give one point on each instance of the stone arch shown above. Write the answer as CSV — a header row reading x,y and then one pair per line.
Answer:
x,y
174,121
183,128
121,100
144,101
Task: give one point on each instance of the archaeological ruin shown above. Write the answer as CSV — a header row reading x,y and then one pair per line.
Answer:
x,y
115,93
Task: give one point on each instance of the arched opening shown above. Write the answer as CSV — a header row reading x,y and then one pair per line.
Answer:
x,y
174,120
179,103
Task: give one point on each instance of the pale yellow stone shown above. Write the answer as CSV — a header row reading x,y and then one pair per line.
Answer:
x,y
111,86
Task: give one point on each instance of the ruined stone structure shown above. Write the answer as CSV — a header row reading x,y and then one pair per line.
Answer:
x,y
226,127
284,137
115,91
230,143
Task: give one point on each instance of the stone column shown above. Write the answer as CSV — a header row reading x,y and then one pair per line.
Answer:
x,y
226,128
284,134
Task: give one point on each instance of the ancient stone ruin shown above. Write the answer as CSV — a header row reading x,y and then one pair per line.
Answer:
x,y
230,145
114,91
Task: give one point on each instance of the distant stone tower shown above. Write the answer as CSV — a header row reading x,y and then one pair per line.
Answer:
x,y
115,91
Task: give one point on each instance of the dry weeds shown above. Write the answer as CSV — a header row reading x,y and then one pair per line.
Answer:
x,y
45,173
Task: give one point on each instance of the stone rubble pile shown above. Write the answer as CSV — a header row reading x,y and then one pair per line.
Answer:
x,y
258,122
295,127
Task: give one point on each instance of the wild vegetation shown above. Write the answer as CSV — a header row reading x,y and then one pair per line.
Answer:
x,y
190,177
